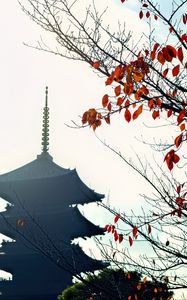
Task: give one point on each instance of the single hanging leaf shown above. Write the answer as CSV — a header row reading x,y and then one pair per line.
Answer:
x,y
105,100
178,189
120,238
167,243
135,231
147,14
107,119
141,14
109,106
155,17
182,127
178,140
120,101
116,218
181,116
130,241
176,70
116,236
161,57
137,112
96,64
165,72
184,18
149,229
171,50
155,114
169,113
127,115
106,227
117,90
180,54
156,45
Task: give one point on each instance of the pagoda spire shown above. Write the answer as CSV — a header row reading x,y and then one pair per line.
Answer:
x,y
45,127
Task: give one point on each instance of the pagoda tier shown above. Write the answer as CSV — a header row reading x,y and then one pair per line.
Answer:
x,y
19,222
48,191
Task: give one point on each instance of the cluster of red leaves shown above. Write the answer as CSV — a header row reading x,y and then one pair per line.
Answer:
x,y
92,117
119,237
180,201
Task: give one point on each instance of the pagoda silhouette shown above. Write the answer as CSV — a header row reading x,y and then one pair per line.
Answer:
x,y
42,219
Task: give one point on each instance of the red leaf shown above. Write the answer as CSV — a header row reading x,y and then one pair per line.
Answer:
x,y
137,112
176,158
120,101
166,54
107,119
116,218
145,5
165,72
134,231
155,17
127,115
178,189
141,14
105,100
181,116
117,90
109,106
171,50
130,241
116,236
180,54
182,127
176,70
96,64
152,55
120,238
147,14
169,113
146,52
178,140
184,18
106,227
156,45
109,228
122,1
170,29
149,229
155,114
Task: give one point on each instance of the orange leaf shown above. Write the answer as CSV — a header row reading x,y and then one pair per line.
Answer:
x,y
152,55
180,54
138,76
137,112
178,140
96,64
130,241
156,45
117,90
134,231
105,100
120,101
182,127
155,114
127,115
128,88
139,286
160,57
129,298
110,79
116,218
176,70
181,116
151,104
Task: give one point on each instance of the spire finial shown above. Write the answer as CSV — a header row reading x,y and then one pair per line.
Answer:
x,y
45,128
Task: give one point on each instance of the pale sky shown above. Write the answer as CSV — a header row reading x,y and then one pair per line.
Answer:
x,y
73,88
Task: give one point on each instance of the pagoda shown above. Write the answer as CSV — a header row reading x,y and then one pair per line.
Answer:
x,y
42,219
